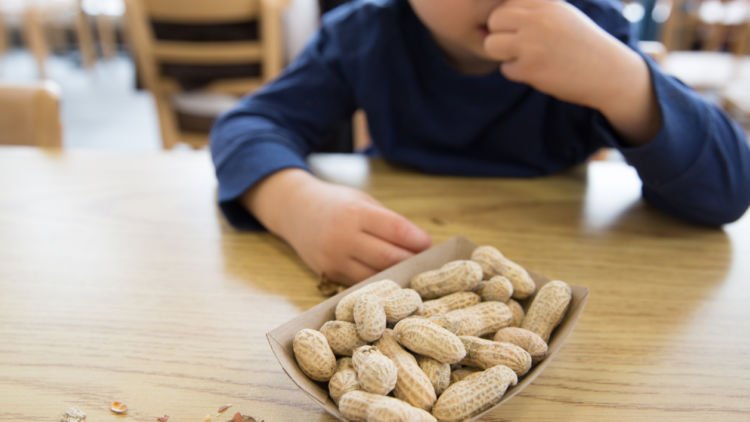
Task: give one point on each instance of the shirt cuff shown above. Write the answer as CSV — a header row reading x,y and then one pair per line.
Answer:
x,y
248,166
680,140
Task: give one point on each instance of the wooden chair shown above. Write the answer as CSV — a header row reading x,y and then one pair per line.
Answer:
x,y
735,97
30,115
177,104
39,18
4,36
106,28
108,16
714,26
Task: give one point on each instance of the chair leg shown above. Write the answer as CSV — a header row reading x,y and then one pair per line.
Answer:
x,y
743,42
34,35
85,39
107,35
4,43
55,35
715,38
167,122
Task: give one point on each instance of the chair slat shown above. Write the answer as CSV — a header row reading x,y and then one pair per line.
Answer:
x,y
239,88
197,11
208,53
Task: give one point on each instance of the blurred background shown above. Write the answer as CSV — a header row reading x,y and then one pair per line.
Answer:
x,y
153,74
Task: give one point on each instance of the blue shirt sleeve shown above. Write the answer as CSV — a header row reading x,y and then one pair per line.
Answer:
x,y
698,165
254,140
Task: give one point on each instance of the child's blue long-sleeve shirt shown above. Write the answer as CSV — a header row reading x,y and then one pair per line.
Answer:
x,y
377,55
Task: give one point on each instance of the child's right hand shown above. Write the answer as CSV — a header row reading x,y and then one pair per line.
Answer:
x,y
338,231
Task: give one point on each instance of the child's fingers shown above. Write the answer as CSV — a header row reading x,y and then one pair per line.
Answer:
x,y
354,271
377,253
502,46
526,3
507,18
394,228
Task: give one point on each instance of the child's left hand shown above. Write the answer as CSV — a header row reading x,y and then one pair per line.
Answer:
x,y
555,48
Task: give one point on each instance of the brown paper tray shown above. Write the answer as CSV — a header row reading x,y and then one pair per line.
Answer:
x,y
280,338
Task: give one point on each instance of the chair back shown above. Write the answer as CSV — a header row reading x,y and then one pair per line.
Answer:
x,y
225,48
30,115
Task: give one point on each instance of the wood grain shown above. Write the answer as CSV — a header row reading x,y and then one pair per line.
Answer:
x,y
119,280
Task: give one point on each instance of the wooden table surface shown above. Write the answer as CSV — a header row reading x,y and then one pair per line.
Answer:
x,y
120,280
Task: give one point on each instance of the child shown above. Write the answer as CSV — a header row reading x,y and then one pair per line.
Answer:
x,y
570,81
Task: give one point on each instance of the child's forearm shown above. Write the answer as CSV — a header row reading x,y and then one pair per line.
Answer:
x,y
268,200
629,102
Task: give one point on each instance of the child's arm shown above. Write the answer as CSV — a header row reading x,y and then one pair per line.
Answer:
x,y
259,151
693,161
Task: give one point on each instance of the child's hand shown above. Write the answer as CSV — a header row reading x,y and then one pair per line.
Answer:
x,y
338,231
555,48
347,235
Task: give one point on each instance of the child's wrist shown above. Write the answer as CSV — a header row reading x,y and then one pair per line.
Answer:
x,y
272,198
614,78
628,100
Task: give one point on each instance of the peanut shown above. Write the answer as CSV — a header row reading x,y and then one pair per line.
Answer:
x,y
344,380
517,310
382,289
401,304
385,412
452,277
471,397
448,303
525,339
314,355
498,288
429,339
354,406
493,263
369,317
478,320
376,373
548,308
483,354
342,337
463,373
412,386
438,373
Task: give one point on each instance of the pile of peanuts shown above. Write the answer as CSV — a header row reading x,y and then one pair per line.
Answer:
x,y
447,348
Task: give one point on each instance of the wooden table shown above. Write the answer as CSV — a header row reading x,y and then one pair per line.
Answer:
x,y
119,280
